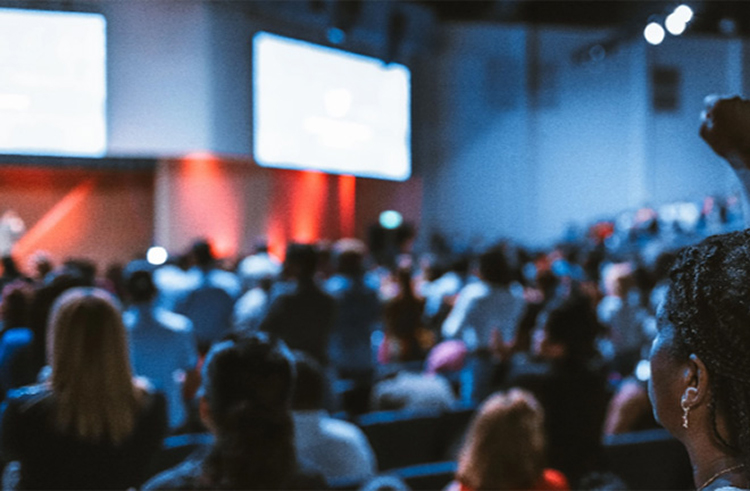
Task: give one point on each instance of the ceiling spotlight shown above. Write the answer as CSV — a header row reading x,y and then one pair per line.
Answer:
x,y
683,13
675,24
157,255
654,33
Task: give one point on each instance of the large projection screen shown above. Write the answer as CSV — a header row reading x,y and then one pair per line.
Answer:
x,y
319,108
52,83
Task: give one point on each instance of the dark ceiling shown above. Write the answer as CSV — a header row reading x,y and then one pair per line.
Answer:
x,y
711,16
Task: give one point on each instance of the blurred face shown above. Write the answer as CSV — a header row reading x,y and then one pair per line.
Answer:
x,y
666,386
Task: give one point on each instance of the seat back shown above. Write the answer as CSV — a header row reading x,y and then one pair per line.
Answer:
x,y
402,438
650,459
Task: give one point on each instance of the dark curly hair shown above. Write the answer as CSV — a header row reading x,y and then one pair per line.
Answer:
x,y
709,306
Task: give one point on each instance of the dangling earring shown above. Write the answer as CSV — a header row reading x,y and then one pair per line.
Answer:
x,y
685,412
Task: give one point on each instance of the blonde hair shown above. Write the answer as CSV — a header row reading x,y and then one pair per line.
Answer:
x,y
92,383
504,446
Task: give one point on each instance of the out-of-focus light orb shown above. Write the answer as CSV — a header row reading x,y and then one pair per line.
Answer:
x,y
675,25
391,219
654,34
157,255
643,370
683,13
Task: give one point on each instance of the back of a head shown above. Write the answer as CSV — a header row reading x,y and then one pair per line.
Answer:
x,y
301,260
247,385
572,322
493,266
91,375
708,306
350,255
504,446
202,253
139,284
10,269
15,306
309,390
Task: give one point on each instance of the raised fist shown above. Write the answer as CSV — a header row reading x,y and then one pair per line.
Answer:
x,y
725,126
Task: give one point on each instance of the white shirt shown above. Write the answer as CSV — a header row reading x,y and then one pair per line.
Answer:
x,y
250,310
480,308
337,449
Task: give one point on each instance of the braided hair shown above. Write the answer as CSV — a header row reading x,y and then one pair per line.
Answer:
x,y
708,304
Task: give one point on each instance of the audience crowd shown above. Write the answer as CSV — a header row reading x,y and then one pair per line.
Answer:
x,y
279,363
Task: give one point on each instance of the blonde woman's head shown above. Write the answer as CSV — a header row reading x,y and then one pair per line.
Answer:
x,y
504,447
91,375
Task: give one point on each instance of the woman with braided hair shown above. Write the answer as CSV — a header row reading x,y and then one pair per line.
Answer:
x,y
700,380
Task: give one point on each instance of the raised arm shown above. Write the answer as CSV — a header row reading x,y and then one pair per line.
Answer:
x,y
725,126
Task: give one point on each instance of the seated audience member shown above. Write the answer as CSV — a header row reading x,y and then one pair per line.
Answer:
x,y
565,378
92,425
303,315
209,302
358,310
627,320
402,322
245,402
505,447
407,389
486,313
162,344
337,449
17,367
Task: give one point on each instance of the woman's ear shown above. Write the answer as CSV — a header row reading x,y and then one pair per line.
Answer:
x,y
696,382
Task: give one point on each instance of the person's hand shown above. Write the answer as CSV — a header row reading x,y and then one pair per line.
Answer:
x,y
725,126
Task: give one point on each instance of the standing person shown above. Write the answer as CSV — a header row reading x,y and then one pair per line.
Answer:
x,y
700,376
92,425
486,317
302,316
209,303
567,379
359,313
162,343
403,321
245,402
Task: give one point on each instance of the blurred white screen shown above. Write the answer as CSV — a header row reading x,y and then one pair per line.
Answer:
x,y
319,108
52,83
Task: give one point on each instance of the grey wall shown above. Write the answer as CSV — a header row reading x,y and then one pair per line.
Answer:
x,y
575,142
511,137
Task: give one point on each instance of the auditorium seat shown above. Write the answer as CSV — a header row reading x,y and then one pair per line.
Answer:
x,y
435,475
402,438
177,448
650,459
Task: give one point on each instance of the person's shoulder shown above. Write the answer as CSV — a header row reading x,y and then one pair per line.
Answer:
x,y
28,394
342,430
476,289
173,322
